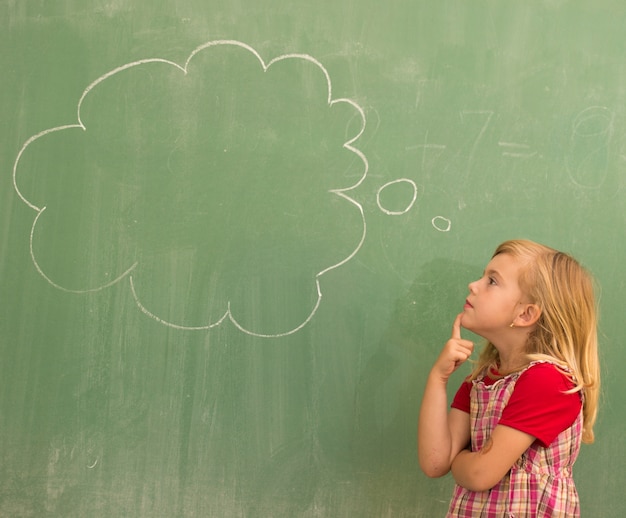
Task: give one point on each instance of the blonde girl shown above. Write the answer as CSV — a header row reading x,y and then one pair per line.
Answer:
x,y
515,425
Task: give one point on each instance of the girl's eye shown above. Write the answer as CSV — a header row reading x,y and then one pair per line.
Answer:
x,y
491,281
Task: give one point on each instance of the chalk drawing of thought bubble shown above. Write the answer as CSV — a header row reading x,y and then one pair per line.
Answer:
x,y
193,179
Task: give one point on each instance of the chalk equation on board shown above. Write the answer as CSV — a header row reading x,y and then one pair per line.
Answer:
x,y
148,132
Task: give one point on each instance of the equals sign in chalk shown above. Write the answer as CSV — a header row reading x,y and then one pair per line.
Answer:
x,y
516,150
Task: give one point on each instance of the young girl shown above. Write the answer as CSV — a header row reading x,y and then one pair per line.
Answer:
x,y
516,423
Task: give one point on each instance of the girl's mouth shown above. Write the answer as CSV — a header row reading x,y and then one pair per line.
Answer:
x,y
467,305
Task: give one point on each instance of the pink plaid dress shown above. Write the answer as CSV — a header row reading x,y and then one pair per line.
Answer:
x,y
539,484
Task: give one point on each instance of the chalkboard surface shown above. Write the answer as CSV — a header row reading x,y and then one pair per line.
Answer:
x,y
234,235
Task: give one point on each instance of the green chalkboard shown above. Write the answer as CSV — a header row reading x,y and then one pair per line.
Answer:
x,y
234,235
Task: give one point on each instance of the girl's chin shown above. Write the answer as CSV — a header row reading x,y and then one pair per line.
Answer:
x,y
466,323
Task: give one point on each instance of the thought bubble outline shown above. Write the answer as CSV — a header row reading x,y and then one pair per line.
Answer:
x,y
348,145
409,206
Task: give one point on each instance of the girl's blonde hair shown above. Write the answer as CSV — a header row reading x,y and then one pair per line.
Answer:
x,y
566,332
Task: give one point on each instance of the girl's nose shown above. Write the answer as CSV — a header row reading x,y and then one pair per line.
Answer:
x,y
472,286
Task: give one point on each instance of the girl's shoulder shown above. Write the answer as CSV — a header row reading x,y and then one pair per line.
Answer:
x,y
547,373
542,403
539,374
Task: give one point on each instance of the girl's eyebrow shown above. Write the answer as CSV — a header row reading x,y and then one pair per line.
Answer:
x,y
495,273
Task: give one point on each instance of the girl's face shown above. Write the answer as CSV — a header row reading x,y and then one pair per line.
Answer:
x,y
494,300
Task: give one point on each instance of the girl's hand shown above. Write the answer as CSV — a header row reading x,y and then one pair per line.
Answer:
x,y
455,352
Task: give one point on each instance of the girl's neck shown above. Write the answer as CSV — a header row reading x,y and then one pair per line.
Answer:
x,y
503,369
512,355
508,363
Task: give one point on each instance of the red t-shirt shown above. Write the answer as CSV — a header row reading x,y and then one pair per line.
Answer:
x,y
538,405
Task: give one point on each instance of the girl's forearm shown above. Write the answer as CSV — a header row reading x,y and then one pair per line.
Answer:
x,y
433,437
482,469
461,469
472,471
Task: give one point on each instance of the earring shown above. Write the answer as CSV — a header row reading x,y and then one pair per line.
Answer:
x,y
512,324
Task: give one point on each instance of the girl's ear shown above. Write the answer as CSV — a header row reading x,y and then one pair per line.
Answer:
x,y
528,316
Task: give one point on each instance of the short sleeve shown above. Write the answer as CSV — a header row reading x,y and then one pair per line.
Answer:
x,y
539,405
461,399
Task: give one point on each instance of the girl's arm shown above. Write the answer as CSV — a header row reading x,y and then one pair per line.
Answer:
x,y
481,470
441,435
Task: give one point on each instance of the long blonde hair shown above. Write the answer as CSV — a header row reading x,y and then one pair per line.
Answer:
x,y
566,332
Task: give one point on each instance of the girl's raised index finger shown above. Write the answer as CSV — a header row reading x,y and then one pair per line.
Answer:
x,y
456,326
